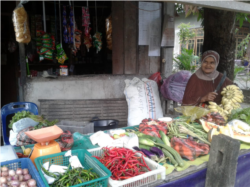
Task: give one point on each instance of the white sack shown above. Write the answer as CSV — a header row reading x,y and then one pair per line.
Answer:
x,y
23,123
143,100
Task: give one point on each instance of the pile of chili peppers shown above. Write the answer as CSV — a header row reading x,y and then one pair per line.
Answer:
x,y
123,163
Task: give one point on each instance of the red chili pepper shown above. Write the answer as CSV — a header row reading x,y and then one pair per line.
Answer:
x,y
122,162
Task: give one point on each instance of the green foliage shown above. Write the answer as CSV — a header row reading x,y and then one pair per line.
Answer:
x,y
241,114
186,60
241,17
25,114
18,116
242,47
237,69
185,33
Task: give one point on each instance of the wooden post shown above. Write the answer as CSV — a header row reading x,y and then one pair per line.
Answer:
x,y
222,164
167,50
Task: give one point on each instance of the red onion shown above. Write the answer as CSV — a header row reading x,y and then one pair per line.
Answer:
x,y
3,180
23,184
19,171
11,172
4,185
4,168
25,171
15,177
15,183
31,183
9,178
5,174
27,177
20,178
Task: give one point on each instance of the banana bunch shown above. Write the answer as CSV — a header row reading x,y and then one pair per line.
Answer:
x,y
218,108
232,97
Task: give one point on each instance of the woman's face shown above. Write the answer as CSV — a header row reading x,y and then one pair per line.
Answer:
x,y
208,66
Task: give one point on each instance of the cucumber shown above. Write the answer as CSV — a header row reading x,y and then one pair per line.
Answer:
x,y
171,158
146,141
158,140
141,146
173,152
164,138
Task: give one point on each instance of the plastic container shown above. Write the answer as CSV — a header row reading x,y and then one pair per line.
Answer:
x,y
87,162
7,153
157,172
64,71
25,163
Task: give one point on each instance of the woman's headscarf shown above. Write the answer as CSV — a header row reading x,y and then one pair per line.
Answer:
x,y
211,76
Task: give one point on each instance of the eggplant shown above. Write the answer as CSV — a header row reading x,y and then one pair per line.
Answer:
x,y
150,155
157,151
136,148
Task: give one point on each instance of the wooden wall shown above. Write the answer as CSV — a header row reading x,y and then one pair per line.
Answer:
x,y
128,56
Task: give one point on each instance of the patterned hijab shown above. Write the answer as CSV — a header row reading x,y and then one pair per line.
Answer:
x,y
211,76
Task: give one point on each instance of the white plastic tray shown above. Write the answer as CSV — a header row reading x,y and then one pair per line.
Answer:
x,y
157,172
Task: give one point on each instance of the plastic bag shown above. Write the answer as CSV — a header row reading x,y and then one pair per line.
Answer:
x,y
174,86
12,138
66,141
23,123
109,32
21,24
188,148
152,127
193,112
157,78
23,139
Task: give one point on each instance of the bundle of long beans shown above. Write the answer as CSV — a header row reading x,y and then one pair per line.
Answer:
x,y
182,129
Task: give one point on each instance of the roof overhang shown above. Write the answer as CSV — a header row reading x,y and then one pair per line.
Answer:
x,y
235,6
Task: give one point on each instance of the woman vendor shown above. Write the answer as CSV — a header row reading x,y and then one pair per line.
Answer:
x,y
202,84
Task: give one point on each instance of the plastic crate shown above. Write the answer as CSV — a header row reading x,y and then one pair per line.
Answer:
x,y
25,163
87,162
157,172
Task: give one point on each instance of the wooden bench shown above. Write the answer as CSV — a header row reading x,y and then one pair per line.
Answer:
x,y
85,109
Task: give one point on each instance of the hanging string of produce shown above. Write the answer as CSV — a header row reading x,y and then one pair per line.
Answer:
x,y
97,36
61,56
87,29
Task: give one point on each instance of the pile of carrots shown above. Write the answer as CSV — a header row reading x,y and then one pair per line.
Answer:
x,y
123,163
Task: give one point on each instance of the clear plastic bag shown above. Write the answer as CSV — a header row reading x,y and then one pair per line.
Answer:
x,y
23,123
21,24
109,32
193,112
174,86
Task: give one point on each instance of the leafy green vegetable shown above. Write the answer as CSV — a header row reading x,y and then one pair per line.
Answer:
x,y
18,116
26,114
241,114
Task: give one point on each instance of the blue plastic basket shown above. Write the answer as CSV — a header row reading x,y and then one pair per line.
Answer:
x,y
25,163
87,162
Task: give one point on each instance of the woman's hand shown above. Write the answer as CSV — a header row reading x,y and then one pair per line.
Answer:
x,y
209,97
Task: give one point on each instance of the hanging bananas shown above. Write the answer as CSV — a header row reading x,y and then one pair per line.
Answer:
x,y
218,108
232,97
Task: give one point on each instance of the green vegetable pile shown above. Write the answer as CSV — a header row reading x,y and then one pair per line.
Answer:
x,y
26,114
72,177
241,114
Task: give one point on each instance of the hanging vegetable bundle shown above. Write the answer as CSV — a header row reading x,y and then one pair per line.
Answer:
x,y
98,35
98,41
86,23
